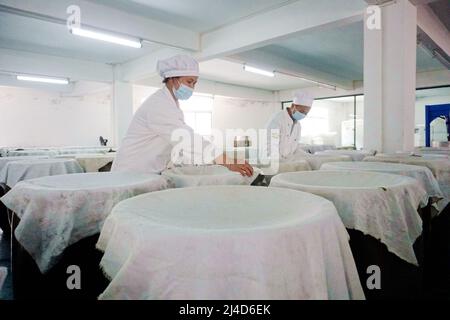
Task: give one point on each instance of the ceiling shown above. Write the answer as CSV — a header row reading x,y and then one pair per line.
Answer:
x,y
442,10
338,52
25,34
197,15
234,73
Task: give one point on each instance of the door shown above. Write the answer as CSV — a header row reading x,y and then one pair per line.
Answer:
x,y
433,112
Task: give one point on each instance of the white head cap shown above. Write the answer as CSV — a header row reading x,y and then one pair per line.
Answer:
x,y
303,99
178,66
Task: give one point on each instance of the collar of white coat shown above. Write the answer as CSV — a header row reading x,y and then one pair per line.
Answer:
x,y
169,94
287,116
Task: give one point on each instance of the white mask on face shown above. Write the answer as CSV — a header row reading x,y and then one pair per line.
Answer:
x,y
183,92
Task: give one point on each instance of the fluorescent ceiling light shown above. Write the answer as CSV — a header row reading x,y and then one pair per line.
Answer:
x,y
124,41
259,71
43,79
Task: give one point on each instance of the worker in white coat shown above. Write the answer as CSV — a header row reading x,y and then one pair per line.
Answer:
x,y
287,122
147,146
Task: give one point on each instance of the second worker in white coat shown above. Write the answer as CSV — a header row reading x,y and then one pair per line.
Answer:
x,y
288,123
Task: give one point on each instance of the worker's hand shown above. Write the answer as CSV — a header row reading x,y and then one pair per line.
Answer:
x,y
243,168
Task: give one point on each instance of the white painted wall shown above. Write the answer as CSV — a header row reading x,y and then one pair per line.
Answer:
x,y
240,114
140,93
229,113
38,118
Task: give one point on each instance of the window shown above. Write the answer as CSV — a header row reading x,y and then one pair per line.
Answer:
x,y
314,125
198,113
334,121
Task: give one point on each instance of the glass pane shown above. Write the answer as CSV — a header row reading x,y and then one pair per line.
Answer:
x,y
203,123
197,103
189,119
286,104
331,122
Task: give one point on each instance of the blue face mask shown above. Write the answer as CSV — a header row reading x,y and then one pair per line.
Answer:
x,y
298,116
183,92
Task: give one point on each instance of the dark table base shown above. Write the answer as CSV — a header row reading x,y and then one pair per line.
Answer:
x,y
4,223
29,283
399,279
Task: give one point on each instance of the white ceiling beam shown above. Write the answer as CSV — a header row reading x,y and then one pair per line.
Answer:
x,y
272,62
113,20
285,22
145,67
45,65
433,27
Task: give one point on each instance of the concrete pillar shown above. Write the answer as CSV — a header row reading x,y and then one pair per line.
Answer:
x,y
390,78
122,108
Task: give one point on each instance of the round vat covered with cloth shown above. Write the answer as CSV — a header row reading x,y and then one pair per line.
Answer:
x,y
57,211
16,171
316,161
227,242
421,174
356,155
381,213
191,176
438,166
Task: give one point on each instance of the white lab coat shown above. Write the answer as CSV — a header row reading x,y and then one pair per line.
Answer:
x,y
289,135
147,145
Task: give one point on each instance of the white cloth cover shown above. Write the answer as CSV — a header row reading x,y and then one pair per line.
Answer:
x,y
5,160
52,151
83,151
49,153
284,166
58,211
16,171
316,147
191,176
176,66
356,155
91,162
445,151
378,204
421,174
316,161
432,155
415,155
227,242
439,167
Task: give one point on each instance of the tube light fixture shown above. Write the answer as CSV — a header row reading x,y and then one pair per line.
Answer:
x,y
107,37
42,79
259,71
320,84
